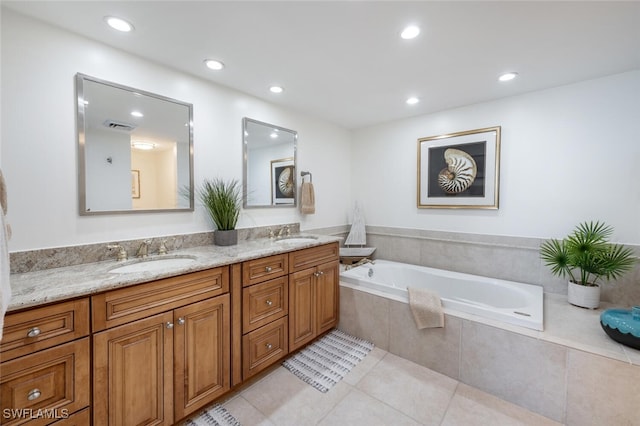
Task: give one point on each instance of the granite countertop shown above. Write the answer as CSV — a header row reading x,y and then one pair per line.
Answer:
x,y
51,285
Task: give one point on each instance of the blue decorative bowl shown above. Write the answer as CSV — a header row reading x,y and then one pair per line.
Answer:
x,y
622,325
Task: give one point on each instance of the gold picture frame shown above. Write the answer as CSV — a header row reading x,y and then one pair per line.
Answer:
x,y
459,170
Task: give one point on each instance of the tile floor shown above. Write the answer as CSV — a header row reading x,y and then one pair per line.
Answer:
x,y
383,389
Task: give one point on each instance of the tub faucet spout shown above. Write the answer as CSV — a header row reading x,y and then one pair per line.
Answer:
x,y
360,262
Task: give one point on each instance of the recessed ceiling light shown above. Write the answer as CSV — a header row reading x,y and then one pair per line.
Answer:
x,y
213,64
413,101
410,32
273,135
276,89
508,76
143,145
137,114
118,24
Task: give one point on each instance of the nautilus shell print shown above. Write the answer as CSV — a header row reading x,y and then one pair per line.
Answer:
x,y
285,182
460,172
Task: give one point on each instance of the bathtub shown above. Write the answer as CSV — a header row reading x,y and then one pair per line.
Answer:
x,y
507,301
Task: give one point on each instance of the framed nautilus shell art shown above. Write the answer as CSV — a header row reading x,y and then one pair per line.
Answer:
x,y
282,181
459,170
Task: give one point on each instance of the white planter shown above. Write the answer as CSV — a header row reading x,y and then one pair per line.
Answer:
x,y
584,296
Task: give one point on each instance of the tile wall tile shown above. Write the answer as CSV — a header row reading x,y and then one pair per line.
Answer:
x,y
602,391
517,368
365,315
435,348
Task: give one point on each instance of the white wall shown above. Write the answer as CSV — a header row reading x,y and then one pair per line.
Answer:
x,y
39,156
569,154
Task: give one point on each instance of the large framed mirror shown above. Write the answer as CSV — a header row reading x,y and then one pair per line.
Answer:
x,y
269,165
135,150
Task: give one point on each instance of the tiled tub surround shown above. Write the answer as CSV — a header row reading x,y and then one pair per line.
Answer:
x,y
507,258
571,372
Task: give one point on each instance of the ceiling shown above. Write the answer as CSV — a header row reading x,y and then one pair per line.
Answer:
x,y
344,61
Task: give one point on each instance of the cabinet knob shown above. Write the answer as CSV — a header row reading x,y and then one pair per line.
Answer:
x,y
181,321
34,394
269,302
169,325
318,274
268,346
35,331
268,269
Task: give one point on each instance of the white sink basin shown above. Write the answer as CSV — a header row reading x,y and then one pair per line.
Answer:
x,y
295,240
152,265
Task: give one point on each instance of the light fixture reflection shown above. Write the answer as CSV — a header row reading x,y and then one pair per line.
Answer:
x,y
119,24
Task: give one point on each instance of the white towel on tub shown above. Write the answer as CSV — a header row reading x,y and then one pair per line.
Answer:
x,y
426,308
5,286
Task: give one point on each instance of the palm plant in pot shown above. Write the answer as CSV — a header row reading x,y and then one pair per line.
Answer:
x,y
587,258
223,200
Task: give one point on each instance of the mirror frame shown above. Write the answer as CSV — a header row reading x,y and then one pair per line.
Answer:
x,y
245,121
81,139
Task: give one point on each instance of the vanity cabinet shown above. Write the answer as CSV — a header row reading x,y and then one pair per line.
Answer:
x,y
161,349
45,365
313,293
265,308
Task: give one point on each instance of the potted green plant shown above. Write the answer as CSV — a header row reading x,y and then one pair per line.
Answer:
x,y
587,258
223,200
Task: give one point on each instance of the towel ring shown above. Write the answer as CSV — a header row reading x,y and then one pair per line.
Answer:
x,y
303,174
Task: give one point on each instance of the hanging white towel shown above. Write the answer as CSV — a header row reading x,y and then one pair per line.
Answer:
x,y
307,198
5,286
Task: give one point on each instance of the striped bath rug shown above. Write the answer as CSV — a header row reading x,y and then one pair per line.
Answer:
x,y
325,362
214,416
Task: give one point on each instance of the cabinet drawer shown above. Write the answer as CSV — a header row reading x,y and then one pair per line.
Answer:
x,y
128,304
55,380
40,328
313,256
81,418
264,346
264,302
263,269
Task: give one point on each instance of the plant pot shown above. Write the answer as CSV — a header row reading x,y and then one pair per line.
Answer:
x,y
225,238
584,296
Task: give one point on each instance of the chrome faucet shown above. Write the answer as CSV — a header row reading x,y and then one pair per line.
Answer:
x,y
163,247
285,230
143,250
122,253
360,262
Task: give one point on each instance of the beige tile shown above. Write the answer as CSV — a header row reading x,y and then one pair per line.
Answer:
x,y
246,413
364,366
416,391
360,409
396,248
578,328
365,316
471,407
286,400
519,369
435,348
602,391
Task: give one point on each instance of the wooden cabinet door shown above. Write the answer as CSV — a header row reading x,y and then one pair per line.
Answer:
x,y
327,293
201,353
133,373
302,308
